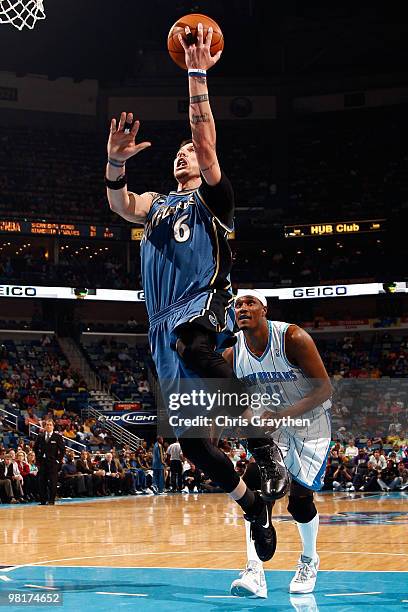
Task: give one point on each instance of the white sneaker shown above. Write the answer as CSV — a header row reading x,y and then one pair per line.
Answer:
x,y
305,578
251,582
185,490
148,491
304,603
195,490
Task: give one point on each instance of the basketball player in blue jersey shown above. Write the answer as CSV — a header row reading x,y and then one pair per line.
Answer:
x,y
273,356
185,262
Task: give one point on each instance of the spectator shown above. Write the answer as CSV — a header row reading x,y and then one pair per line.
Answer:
x,y
360,469
351,450
377,461
31,480
158,465
73,481
94,484
6,481
176,458
68,382
23,468
192,479
402,477
16,478
143,386
389,478
111,474
342,479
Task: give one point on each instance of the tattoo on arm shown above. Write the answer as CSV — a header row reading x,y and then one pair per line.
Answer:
x,y
208,168
202,80
200,98
204,118
153,194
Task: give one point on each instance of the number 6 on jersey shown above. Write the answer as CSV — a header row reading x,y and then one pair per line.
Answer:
x,y
181,230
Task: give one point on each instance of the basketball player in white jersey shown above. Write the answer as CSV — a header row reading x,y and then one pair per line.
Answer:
x,y
277,357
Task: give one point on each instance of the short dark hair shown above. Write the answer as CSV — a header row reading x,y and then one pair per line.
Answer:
x,y
184,142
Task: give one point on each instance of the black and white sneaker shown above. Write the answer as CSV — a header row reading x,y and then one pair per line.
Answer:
x,y
275,478
262,531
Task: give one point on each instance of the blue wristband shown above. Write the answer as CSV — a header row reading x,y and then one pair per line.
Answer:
x,y
116,163
197,72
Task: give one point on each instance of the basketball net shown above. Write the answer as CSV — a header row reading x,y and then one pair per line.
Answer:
x,y
21,13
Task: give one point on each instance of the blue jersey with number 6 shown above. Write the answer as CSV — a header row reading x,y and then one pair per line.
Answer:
x,y
184,251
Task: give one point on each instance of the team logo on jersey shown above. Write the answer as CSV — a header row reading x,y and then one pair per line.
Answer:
x,y
213,319
163,212
265,378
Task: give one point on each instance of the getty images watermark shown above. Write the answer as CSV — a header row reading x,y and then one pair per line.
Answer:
x,y
193,410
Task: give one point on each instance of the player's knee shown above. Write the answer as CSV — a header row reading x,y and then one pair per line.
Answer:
x,y
302,507
194,349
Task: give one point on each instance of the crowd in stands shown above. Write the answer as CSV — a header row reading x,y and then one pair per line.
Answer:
x,y
42,180
368,465
35,377
365,465
123,367
288,266
297,265
365,357
337,163
145,471
369,419
76,267
348,164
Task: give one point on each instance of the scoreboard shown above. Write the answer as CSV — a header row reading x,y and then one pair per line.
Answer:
x,y
68,230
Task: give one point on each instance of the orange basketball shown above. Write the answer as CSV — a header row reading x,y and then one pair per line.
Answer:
x,y
173,44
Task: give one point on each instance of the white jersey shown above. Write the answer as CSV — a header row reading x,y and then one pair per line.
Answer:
x,y
305,448
174,450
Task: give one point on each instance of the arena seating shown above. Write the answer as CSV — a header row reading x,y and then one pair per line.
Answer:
x,y
121,366
339,163
32,374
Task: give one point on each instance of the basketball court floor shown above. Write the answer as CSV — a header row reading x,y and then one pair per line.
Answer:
x,y
181,552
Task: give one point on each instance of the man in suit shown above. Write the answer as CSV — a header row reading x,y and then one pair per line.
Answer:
x,y
6,481
94,479
49,449
113,473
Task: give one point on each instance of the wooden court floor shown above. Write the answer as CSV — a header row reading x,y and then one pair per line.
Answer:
x,y
357,532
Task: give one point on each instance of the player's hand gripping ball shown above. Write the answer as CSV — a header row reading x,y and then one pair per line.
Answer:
x,y
191,37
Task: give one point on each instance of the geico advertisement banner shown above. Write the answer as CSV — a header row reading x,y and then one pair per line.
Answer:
x,y
323,291
130,418
71,293
119,295
326,291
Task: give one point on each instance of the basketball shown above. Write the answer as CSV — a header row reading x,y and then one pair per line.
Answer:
x,y
173,44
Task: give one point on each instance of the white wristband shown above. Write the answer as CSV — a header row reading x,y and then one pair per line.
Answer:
x,y
197,72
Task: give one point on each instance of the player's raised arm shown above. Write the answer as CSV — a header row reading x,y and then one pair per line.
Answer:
x,y
121,147
198,61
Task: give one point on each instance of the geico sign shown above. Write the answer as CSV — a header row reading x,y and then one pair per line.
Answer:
x,y
16,291
311,292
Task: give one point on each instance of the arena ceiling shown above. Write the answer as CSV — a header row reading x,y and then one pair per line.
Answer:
x,y
120,40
